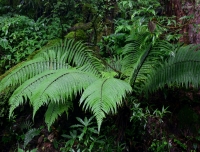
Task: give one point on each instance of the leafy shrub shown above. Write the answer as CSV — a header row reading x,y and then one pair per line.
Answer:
x,y
85,137
20,36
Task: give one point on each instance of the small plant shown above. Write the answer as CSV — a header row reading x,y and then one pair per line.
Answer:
x,y
30,135
83,137
159,146
26,125
181,144
21,150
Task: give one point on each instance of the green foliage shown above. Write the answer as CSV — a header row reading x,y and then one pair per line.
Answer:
x,y
159,146
21,150
83,137
97,97
20,36
84,124
182,145
142,54
175,70
58,56
112,44
4,96
138,7
55,110
57,74
73,81
133,58
30,135
142,115
26,125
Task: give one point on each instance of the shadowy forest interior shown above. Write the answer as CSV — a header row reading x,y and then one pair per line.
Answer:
x,y
100,75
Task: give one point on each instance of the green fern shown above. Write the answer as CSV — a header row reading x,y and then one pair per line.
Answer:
x,y
46,79
24,92
141,57
75,54
55,110
103,96
57,74
56,86
182,68
61,86
25,71
26,125
63,54
139,64
30,135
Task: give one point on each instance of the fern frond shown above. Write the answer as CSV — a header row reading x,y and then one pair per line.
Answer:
x,y
115,64
28,70
51,58
60,87
103,96
27,125
55,110
77,55
139,64
182,69
25,91
139,61
30,135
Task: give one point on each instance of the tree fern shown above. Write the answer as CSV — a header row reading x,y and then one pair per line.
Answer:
x,y
57,74
103,96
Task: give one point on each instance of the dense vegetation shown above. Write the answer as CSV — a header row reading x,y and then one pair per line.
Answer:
x,y
99,75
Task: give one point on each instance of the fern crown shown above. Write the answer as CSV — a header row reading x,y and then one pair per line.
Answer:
x,y
58,73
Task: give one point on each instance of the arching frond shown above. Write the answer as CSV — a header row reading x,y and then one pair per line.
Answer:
x,y
76,54
103,96
156,55
54,110
25,91
60,87
115,64
29,69
30,135
132,50
182,68
141,58
59,56
138,65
